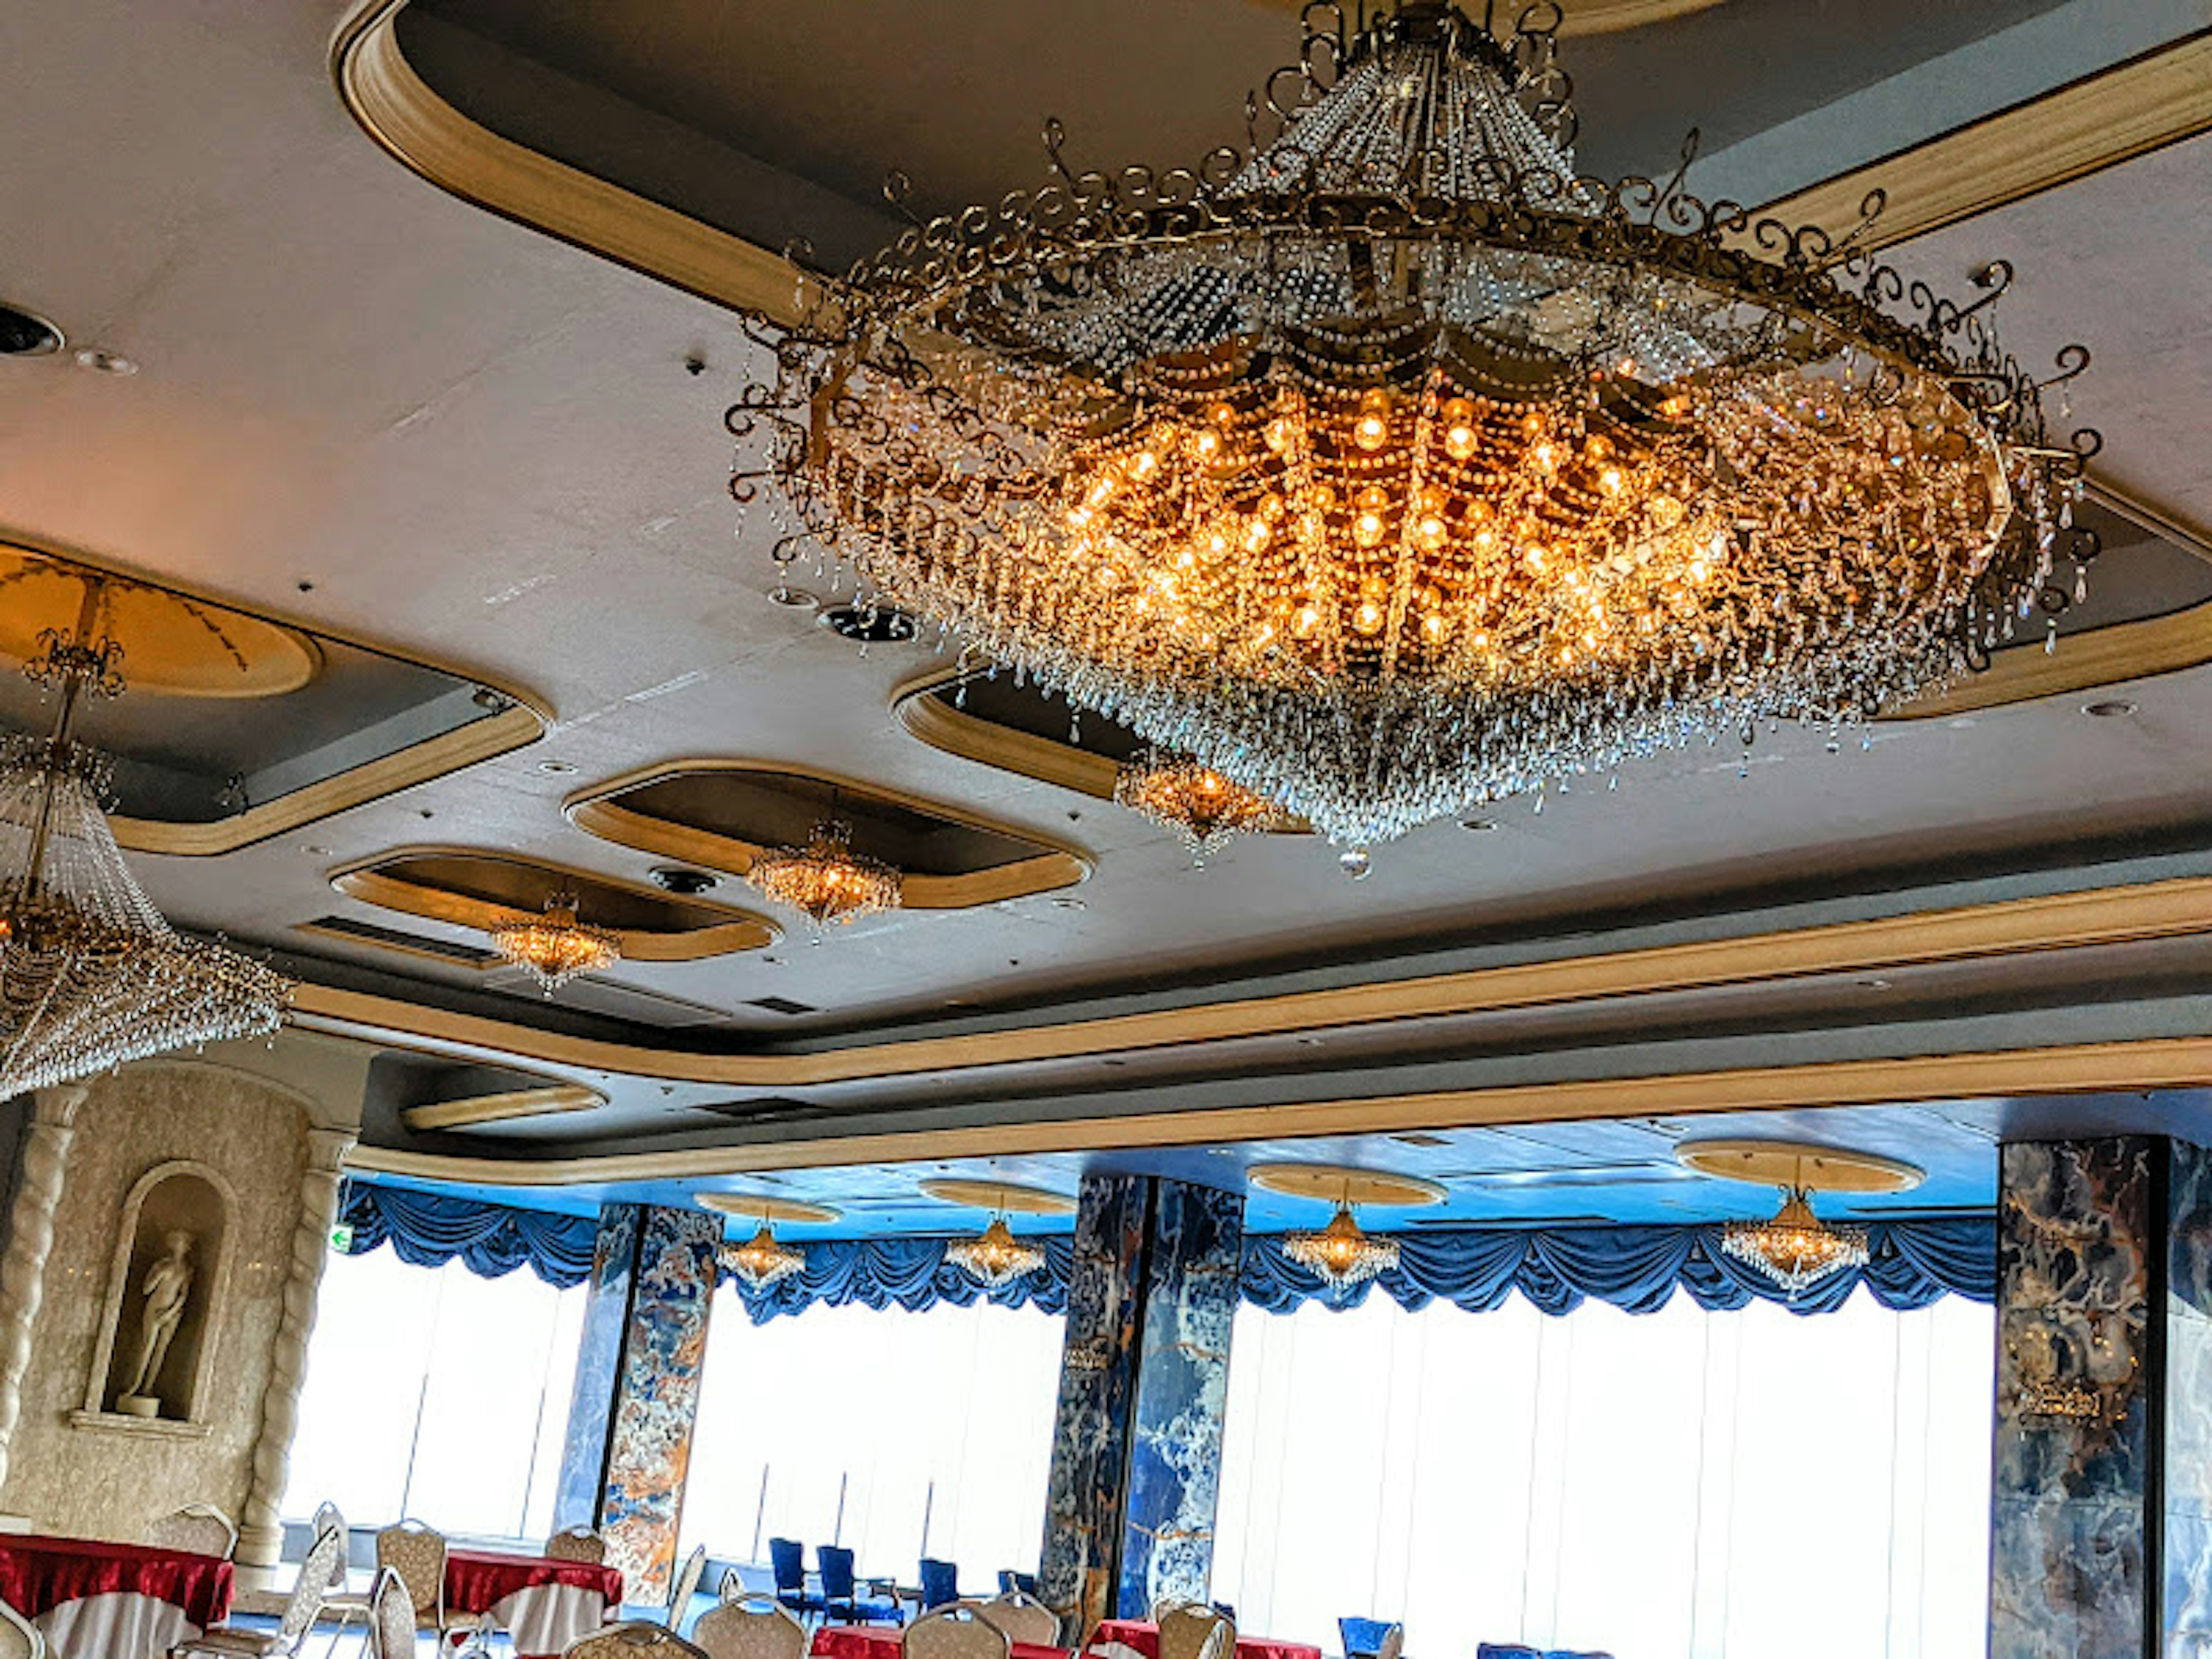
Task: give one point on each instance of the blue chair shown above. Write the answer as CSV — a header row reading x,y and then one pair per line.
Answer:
x,y
1362,1637
1517,1650
940,1584
1010,1581
841,1596
787,1559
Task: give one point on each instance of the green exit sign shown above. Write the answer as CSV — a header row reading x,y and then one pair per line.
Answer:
x,y
342,1239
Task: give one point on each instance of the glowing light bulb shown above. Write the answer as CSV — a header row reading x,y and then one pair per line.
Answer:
x,y
1370,432
1430,532
1367,529
1459,442
1368,619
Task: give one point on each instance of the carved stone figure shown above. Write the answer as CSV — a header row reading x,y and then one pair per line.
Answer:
x,y
168,1283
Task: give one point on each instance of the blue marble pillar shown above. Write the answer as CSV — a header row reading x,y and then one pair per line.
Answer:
x,y
629,1441
1137,1439
2185,1609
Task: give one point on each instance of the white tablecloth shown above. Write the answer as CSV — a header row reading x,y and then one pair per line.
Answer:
x,y
120,1625
545,1619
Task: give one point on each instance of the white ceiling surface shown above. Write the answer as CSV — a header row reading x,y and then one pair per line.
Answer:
x,y
481,446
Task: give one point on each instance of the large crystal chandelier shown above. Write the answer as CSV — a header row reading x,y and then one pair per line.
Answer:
x,y
1340,1254
1384,465
556,946
826,880
1796,1250
91,975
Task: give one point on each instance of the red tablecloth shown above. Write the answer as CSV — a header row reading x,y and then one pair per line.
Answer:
x,y
881,1642
37,1575
1146,1639
479,1580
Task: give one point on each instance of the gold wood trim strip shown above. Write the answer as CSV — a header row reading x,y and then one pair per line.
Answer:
x,y
425,134
2129,109
2161,1063
504,1107
955,732
2099,917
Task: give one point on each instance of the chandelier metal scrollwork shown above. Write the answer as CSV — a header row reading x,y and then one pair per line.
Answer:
x,y
1385,465
91,975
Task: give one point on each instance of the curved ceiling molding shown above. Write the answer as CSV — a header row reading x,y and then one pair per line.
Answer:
x,y
429,136
235,726
478,889
508,1104
1593,16
723,814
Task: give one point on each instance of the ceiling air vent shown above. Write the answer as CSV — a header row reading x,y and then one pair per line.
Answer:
x,y
22,335
394,939
782,1005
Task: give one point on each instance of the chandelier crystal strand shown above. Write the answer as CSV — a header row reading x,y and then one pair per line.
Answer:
x,y
996,1257
826,880
762,1259
1796,1250
1204,808
1340,1254
91,975
1389,466
556,946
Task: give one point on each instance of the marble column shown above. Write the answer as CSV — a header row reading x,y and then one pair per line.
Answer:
x,y
1137,1437
260,1532
43,1157
637,1398
2102,1509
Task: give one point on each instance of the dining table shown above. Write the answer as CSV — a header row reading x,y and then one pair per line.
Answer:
x,y
94,1599
543,1604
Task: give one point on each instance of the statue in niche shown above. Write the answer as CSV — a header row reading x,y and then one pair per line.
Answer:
x,y
168,1283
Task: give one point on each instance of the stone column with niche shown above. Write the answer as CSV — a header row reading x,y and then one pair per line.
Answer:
x,y
2102,1509
636,1397
42,1158
1144,1380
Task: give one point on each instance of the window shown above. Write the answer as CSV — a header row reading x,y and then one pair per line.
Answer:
x,y
436,1393
1674,1485
896,1434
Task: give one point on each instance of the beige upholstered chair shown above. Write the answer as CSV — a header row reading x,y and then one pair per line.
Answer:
x,y
391,1618
1191,1629
299,1610
1022,1617
958,1631
686,1584
200,1527
756,1626
577,1544
417,1554
1393,1643
632,1641
19,1637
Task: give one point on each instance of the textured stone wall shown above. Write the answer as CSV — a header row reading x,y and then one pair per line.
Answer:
x,y
113,1483
2186,1566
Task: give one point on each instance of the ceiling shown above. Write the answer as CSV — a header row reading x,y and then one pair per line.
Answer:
x,y
377,409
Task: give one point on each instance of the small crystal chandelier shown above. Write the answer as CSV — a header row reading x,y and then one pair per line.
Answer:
x,y
554,946
826,880
1340,1254
996,1257
1386,465
1193,799
91,975
1796,1250
761,1261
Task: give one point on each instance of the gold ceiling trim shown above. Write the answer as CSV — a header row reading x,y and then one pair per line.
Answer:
x,y
429,136
1343,1183
1593,16
756,1206
503,1107
525,720
1007,1197
2082,1068
597,812
366,881
2153,910
1801,1164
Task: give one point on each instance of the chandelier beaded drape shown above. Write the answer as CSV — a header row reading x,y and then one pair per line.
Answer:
x,y
1384,465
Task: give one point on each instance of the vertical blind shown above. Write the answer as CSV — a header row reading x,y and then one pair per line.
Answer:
x,y
1681,1485
871,1429
436,1393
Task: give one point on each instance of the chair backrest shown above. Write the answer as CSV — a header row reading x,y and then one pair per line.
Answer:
x,y
391,1617
200,1527
1026,1582
750,1627
686,1585
417,1554
786,1557
1194,1631
627,1640
324,1560
940,1582
954,1633
1362,1637
1023,1619
576,1544
330,1518
19,1637
1521,1651
836,1565
1394,1642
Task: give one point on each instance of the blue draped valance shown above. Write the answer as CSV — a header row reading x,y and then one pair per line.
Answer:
x,y
1634,1269
904,1273
430,1228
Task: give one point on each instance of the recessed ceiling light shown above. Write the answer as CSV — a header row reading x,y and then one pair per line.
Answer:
x,y
794,599
684,883
2112,708
553,768
1875,984
872,624
105,362
1478,826
1069,902
22,335
315,852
